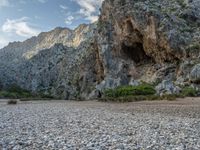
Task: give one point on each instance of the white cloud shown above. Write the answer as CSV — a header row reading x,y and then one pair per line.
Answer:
x,y
3,42
4,3
19,27
26,1
69,20
63,7
20,10
42,1
89,8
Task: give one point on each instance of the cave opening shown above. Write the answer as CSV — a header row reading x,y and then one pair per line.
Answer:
x,y
135,52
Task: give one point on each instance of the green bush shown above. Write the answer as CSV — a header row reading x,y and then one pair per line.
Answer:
x,y
143,92
15,92
189,91
44,96
19,91
5,94
124,91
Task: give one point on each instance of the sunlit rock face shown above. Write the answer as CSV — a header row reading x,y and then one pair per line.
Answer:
x,y
53,62
148,40
133,41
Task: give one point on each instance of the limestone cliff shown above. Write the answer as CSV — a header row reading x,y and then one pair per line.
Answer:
x,y
134,41
50,63
149,40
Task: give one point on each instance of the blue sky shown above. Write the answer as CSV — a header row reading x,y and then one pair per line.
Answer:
x,y
22,19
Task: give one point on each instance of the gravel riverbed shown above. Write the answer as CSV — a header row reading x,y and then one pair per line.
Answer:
x,y
91,125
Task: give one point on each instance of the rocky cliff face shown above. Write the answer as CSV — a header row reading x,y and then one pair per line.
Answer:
x,y
151,41
134,41
51,63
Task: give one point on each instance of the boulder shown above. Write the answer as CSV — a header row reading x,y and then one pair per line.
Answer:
x,y
94,95
167,87
195,74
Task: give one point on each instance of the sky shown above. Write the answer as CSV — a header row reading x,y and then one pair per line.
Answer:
x,y
22,19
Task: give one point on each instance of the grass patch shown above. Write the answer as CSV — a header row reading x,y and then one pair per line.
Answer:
x,y
15,92
14,95
193,48
144,92
189,92
6,94
125,91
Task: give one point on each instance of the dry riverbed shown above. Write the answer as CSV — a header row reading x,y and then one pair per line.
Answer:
x,y
70,125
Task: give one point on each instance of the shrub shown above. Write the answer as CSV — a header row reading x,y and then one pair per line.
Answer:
x,y
189,91
19,91
15,92
5,94
193,48
182,3
144,89
12,102
124,91
45,96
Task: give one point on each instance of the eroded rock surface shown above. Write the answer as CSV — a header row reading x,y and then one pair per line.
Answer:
x,y
55,63
148,40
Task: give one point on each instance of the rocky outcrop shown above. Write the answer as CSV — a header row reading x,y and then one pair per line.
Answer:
x,y
60,62
133,42
167,88
195,74
148,40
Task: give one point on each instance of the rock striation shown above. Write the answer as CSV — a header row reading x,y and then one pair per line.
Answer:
x,y
133,41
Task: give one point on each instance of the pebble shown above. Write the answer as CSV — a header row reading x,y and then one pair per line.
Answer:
x,y
66,125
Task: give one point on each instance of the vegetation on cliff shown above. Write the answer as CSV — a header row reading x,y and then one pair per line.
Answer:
x,y
143,92
16,92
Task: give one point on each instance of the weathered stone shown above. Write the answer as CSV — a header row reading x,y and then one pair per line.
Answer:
x,y
167,88
95,95
134,82
195,74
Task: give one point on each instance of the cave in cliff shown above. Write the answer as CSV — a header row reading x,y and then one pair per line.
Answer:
x,y
135,52
132,45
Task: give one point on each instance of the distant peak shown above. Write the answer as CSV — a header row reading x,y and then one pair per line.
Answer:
x,y
81,26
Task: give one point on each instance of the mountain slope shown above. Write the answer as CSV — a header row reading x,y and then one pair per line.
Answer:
x,y
48,62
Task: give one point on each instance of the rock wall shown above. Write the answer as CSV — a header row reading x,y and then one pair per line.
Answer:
x,y
59,63
148,41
